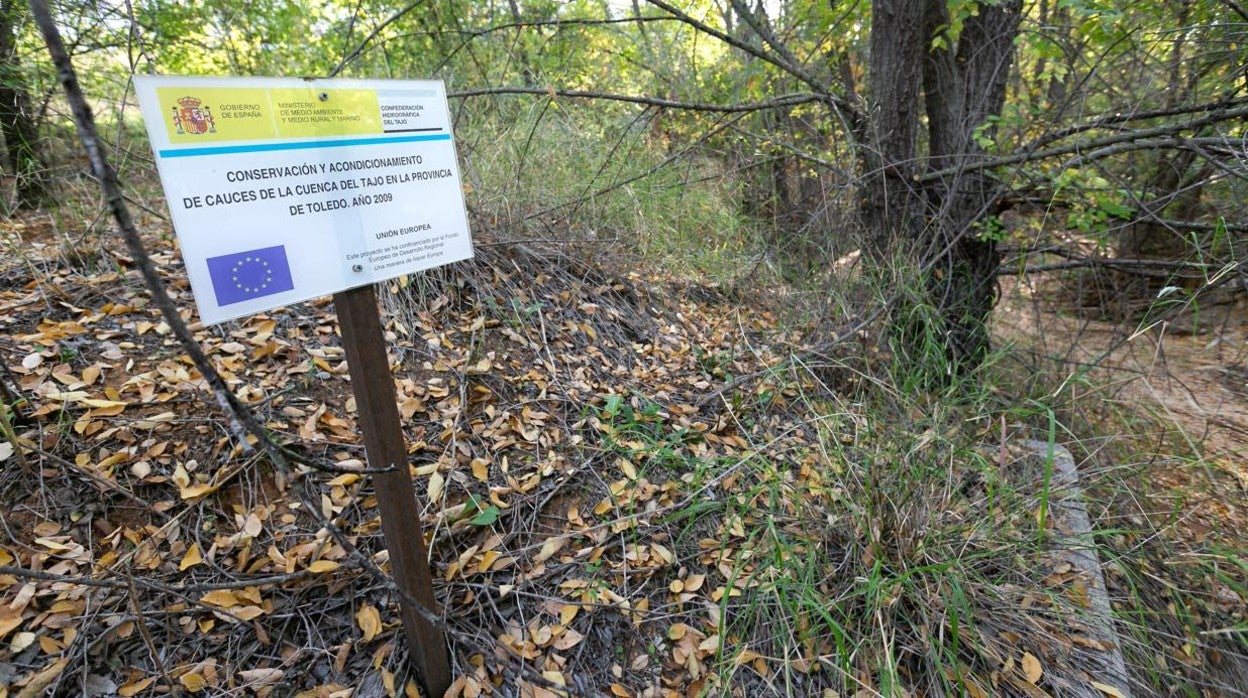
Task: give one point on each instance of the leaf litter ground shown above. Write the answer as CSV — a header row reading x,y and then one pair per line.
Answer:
x,y
596,455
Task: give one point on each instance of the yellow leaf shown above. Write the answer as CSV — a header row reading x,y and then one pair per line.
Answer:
x,y
118,457
55,546
436,481
549,548
321,566
196,491
748,655
180,477
1108,690
192,558
627,468
193,682
223,598
567,613
487,559
92,402
480,469
1032,671
133,689
369,621
344,480
247,612
249,594
9,622
40,681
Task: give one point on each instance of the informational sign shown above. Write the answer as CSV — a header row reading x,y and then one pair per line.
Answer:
x,y
284,189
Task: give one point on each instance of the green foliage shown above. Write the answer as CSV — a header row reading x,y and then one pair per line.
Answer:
x,y
486,517
1092,202
557,169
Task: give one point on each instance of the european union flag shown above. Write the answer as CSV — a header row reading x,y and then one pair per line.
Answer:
x,y
243,276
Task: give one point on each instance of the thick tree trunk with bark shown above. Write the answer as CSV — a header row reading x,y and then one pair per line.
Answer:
x,y
964,85
17,124
890,208
957,87
16,119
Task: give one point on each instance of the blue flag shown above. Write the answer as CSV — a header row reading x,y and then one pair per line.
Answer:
x,y
243,276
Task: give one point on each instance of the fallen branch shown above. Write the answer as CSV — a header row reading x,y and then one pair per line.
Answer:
x,y
1079,549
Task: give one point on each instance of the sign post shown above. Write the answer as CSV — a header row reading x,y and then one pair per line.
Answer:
x,y
375,402
282,190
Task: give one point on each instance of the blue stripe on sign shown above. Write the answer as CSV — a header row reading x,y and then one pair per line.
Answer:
x,y
303,145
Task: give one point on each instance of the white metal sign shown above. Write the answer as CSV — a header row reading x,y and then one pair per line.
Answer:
x,y
284,189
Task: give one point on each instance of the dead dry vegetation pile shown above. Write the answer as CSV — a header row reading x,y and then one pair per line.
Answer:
x,y
630,488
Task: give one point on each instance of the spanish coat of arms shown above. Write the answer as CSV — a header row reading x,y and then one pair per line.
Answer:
x,y
191,116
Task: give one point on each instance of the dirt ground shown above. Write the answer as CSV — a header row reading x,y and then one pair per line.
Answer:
x,y
1190,373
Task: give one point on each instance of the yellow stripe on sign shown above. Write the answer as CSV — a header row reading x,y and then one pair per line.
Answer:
x,y
302,112
208,114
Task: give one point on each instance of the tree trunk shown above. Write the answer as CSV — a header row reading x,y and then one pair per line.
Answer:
x,y
965,86
17,124
521,53
890,208
957,87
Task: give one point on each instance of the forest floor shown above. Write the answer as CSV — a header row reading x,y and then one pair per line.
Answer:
x,y
595,452
1192,380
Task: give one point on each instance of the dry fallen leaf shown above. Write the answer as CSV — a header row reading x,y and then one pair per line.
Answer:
x,y
261,677
369,621
133,689
21,641
223,598
1032,671
321,566
192,558
434,490
569,639
193,682
1108,690
8,621
43,678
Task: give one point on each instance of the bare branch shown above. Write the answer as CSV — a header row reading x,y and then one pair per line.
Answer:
x,y
372,35
781,101
842,107
1237,8
1146,144
1116,119
1095,144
